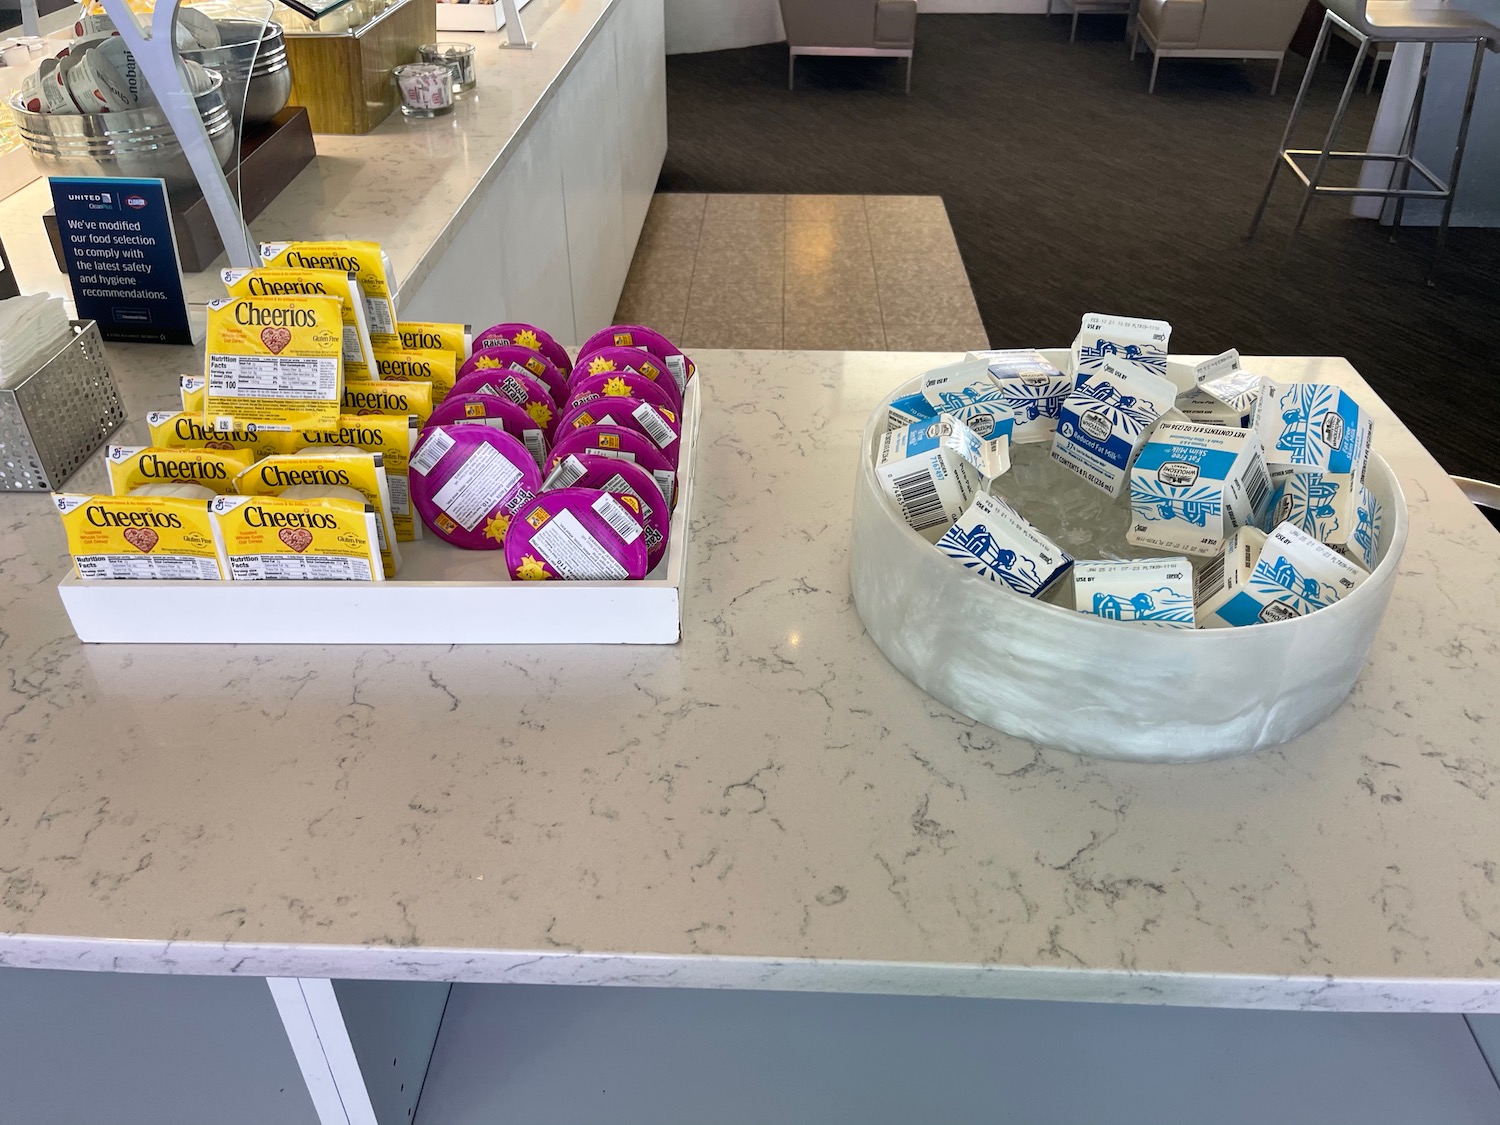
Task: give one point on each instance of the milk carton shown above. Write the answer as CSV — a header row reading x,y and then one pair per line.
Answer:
x,y
1224,401
933,468
1192,486
1369,526
966,391
1031,387
1188,376
1218,581
1315,428
995,542
1294,576
1159,591
902,412
1104,422
1135,346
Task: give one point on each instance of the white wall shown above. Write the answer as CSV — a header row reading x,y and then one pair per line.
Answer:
x,y
718,25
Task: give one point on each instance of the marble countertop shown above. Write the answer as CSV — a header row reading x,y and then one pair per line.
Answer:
x,y
767,804
409,184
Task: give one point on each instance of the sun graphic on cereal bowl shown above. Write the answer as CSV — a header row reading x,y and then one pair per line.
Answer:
x,y
526,338
485,362
531,570
616,387
540,413
496,528
600,364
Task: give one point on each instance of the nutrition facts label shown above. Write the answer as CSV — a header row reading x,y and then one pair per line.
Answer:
x,y
399,484
482,482
258,568
273,376
568,548
378,310
148,566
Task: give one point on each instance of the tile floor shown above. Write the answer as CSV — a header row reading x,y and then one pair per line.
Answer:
x,y
840,272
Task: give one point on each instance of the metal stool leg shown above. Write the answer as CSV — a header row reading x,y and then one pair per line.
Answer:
x,y
1458,157
1073,37
1291,122
1333,131
1409,137
1276,78
1155,62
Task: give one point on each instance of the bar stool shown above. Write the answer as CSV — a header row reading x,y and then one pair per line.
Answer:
x,y
1376,22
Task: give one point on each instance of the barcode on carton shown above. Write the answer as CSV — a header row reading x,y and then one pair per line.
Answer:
x,y
917,495
614,514
654,425
1258,484
1211,578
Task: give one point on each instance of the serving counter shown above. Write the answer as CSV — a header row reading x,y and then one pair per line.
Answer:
x,y
766,807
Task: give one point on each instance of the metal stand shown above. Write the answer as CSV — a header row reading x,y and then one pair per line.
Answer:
x,y
1404,161
515,32
159,62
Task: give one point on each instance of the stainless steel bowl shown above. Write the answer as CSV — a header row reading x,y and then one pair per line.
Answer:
x,y
135,142
265,83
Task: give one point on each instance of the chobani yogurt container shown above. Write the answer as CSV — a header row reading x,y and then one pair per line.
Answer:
x,y
527,393
496,413
624,384
468,481
630,414
630,484
611,359
579,534
620,445
648,339
523,360
525,336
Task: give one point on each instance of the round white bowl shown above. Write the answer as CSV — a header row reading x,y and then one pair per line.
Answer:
x,y
1110,689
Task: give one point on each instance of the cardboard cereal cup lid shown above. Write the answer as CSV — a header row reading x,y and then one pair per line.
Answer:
x,y
630,484
578,534
527,393
526,336
652,423
605,361
522,360
497,413
624,384
639,336
610,441
468,481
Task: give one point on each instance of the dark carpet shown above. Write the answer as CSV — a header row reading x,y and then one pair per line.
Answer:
x,y
1072,190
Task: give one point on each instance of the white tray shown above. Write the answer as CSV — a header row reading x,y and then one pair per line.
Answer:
x,y
443,595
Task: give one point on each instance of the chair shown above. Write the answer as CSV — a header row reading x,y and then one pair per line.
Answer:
x,y
1371,23
1095,8
1217,29
880,29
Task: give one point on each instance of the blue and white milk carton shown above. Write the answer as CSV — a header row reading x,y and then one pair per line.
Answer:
x,y
1157,591
933,468
967,392
1226,401
1135,346
1105,421
1295,575
1188,376
903,411
1032,387
1363,546
1220,579
1315,428
1192,486
995,542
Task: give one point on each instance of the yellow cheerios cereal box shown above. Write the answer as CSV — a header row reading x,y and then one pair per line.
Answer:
x,y
276,362
314,472
359,352
192,392
363,259
438,368
389,396
422,336
275,538
184,429
392,438
134,466
139,537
